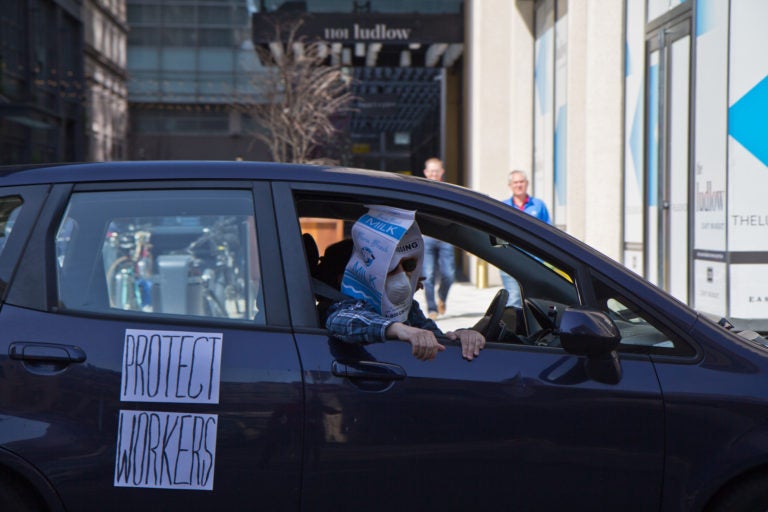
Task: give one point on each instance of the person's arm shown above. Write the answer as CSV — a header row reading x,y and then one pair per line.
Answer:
x,y
418,330
424,344
472,342
354,321
417,318
358,322
544,212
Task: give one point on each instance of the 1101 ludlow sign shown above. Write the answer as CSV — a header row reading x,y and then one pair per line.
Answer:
x,y
381,32
365,27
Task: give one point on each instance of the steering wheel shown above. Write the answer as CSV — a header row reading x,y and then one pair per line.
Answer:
x,y
490,325
541,316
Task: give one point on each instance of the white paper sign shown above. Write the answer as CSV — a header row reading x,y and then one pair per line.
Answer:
x,y
166,450
171,366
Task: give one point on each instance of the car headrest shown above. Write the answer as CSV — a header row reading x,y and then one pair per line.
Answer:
x,y
334,261
312,253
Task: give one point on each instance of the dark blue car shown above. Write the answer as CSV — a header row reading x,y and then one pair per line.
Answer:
x,y
161,349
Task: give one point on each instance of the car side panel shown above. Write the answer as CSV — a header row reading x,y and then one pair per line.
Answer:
x,y
717,420
514,429
65,421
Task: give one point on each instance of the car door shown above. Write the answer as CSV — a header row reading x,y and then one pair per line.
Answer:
x,y
146,357
519,428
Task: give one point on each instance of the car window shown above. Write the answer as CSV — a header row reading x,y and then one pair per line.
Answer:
x,y
639,331
171,252
10,206
564,274
544,283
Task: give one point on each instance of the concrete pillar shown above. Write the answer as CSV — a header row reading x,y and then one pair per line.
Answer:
x,y
499,101
576,100
594,146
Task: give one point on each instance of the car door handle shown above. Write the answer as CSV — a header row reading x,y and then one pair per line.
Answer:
x,y
45,352
367,370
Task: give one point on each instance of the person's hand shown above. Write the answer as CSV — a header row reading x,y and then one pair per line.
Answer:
x,y
472,342
424,345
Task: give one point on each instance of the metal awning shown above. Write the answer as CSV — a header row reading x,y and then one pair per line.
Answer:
x,y
394,99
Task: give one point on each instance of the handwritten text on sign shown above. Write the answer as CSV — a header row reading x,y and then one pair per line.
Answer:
x,y
166,450
171,366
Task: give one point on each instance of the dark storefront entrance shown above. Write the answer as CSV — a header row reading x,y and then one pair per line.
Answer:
x,y
406,60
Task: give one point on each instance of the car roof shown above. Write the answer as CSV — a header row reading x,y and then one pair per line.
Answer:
x,y
169,170
175,170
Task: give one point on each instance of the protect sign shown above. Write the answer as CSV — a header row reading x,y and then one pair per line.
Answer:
x,y
170,450
171,366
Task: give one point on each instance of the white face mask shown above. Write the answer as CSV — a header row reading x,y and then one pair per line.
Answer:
x,y
398,288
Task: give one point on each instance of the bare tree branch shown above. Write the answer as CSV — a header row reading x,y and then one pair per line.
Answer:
x,y
303,96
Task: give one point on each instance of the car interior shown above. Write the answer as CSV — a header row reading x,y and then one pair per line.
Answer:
x,y
113,257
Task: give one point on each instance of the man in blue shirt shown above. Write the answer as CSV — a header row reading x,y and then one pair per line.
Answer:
x,y
518,185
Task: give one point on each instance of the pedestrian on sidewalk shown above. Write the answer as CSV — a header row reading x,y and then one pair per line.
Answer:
x,y
517,181
439,257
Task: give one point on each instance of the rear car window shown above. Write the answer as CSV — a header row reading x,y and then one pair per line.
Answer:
x,y
168,252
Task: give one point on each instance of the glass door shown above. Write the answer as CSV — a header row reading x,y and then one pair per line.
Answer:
x,y
667,152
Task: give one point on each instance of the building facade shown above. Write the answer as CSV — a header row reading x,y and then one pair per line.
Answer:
x,y
105,33
42,84
190,62
643,125
62,81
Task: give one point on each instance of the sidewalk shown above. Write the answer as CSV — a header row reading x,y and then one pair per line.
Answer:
x,y
466,305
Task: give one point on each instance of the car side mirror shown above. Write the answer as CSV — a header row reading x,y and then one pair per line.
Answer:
x,y
588,332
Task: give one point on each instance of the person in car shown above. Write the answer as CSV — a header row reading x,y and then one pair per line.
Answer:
x,y
392,314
